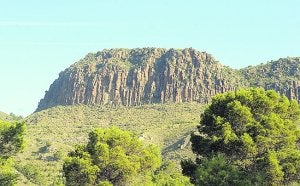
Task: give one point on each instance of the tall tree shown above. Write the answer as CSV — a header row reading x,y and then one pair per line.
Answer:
x,y
117,157
114,156
256,131
11,142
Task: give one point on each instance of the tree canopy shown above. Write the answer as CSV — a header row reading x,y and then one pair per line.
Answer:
x,y
111,155
168,175
116,157
11,142
256,131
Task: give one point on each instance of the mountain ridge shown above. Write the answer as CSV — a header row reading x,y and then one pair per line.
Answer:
x,y
139,76
52,132
282,75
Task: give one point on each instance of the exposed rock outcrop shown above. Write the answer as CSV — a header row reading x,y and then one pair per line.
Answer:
x,y
139,76
156,75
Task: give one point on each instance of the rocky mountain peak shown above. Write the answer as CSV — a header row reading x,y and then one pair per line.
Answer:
x,y
141,75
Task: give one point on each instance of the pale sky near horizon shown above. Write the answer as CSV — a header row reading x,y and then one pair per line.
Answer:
x,y
38,39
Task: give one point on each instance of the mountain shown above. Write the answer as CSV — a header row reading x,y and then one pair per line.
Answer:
x,y
156,75
139,76
157,93
282,75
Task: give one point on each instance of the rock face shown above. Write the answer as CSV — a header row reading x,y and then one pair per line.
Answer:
x,y
282,75
155,75
139,76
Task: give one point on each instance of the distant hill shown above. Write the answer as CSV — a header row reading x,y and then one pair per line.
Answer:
x,y
9,117
282,75
141,76
53,132
156,75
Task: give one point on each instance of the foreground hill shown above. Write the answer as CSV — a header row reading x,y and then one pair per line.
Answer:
x,y
53,132
141,76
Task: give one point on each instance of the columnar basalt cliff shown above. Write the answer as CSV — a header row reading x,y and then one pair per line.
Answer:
x,y
156,75
139,76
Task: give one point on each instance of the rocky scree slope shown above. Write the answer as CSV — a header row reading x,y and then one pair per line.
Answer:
x,y
142,75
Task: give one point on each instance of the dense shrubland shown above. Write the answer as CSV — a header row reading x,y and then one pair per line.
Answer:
x,y
54,132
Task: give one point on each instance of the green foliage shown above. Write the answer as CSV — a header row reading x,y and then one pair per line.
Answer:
x,y
256,130
32,173
165,125
274,171
15,117
7,175
279,75
104,183
111,155
218,171
45,148
9,117
168,175
11,142
11,138
58,155
80,170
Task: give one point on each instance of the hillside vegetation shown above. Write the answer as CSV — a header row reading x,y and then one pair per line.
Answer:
x,y
9,117
149,91
53,132
282,75
11,142
247,137
4,116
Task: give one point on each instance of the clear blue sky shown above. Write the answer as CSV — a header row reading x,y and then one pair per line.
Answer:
x,y
38,39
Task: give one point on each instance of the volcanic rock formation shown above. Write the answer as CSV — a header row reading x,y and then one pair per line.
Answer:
x,y
156,75
139,76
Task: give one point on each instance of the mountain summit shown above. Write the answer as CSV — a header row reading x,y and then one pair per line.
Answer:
x,y
142,75
157,75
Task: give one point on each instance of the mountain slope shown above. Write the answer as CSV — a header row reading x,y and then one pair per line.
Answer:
x,y
282,75
53,132
4,116
9,117
122,86
140,76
